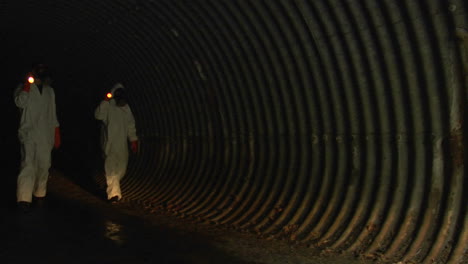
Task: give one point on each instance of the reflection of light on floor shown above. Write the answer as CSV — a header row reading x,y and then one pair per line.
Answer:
x,y
113,232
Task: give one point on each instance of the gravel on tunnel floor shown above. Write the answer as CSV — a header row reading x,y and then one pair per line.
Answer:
x,y
76,226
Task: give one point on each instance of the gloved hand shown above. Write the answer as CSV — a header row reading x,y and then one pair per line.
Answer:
x,y
27,84
108,97
58,140
134,146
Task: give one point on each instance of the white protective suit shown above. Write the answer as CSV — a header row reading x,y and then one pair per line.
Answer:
x,y
119,125
37,135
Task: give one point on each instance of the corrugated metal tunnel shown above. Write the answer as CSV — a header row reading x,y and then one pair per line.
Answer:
x,y
337,124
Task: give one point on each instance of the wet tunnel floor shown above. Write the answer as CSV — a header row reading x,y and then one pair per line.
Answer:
x,y
76,226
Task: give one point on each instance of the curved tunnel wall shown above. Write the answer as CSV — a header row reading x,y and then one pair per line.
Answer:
x,y
337,124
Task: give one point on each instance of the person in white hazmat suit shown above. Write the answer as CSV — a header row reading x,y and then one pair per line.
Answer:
x,y
118,127
38,133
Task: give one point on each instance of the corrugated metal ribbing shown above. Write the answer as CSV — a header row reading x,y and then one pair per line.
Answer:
x,y
325,122
331,123
336,124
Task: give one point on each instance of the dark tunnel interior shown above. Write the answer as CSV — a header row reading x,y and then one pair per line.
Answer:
x,y
336,124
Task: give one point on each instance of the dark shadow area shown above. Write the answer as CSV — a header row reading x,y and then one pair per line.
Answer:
x,y
80,158
68,231
9,143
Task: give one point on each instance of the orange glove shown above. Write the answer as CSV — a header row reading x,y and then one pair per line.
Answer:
x,y
27,87
108,97
58,140
27,83
134,146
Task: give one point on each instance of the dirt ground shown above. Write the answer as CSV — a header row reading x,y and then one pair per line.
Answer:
x,y
76,226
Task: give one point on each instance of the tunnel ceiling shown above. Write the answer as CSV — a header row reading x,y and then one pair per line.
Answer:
x,y
336,124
